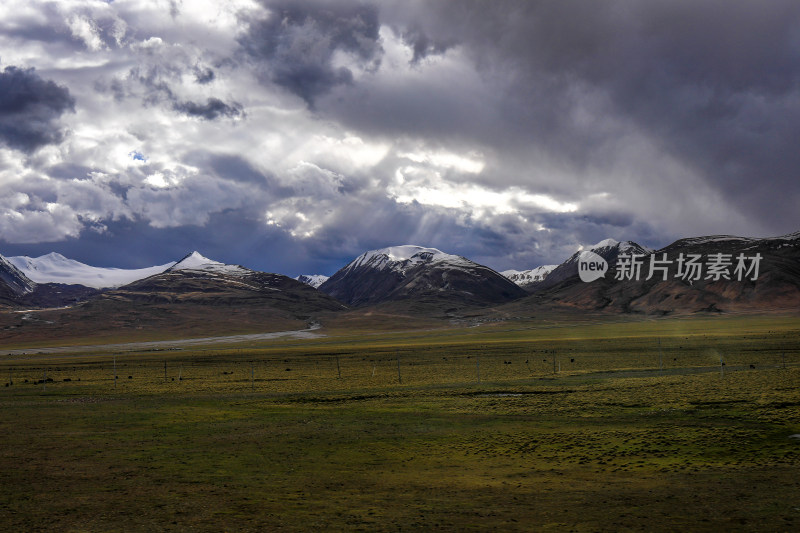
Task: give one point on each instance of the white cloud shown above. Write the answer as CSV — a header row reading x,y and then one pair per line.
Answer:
x,y
85,30
470,163
479,200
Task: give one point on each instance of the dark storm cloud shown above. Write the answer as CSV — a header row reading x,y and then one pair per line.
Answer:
x,y
54,23
34,31
30,108
296,43
48,27
153,85
151,82
203,75
211,110
423,44
714,84
236,168
231,167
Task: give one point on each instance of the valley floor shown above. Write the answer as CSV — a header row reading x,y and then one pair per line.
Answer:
x,y
505,427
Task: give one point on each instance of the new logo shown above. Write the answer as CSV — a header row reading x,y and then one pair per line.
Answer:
x,y
591,266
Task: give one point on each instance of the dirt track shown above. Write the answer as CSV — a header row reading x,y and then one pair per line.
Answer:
x,y
179,343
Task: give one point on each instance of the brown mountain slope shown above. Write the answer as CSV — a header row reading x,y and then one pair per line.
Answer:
x,y
775,287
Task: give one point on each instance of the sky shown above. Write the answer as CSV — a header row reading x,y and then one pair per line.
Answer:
x,y
291,136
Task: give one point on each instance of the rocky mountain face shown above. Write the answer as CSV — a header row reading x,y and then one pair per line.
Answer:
x,y
13,283
714,273
406,273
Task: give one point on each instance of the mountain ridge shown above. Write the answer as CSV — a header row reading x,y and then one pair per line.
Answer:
x,y
409,279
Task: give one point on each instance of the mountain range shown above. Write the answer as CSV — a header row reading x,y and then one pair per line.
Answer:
x,y
730,274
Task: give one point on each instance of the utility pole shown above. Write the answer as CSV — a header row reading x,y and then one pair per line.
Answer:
x,y
115,372
399,377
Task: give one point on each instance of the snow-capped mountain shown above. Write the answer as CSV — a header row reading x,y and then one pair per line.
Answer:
x,y
195,261
608,249
417,273
525,278
55,268
315,280
17,282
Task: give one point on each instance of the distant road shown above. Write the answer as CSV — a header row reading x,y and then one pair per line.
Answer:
x,y
180,343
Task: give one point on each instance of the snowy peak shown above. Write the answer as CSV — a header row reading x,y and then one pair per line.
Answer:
x,y
198,262
605,243
624,246
527,277
315,280
402,258
194,260
55,268
609,249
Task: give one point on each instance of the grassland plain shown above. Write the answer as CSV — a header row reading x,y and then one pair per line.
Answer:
x,y
600,425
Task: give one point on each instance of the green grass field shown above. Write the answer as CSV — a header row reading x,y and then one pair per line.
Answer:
x,y
510,426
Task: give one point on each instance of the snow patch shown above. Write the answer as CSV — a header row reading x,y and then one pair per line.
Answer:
x,y
55,268
605,243
790,237
623,246
315,280
402,258
525,277
716,238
